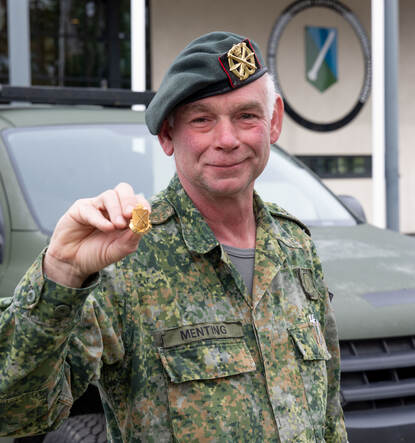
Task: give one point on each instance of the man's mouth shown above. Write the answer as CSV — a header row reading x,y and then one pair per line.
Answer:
x,y
227,164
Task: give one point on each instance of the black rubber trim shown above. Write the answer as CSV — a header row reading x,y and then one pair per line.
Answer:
x,y
391,298
75,96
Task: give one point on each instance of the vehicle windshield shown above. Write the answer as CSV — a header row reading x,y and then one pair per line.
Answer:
x,y
292,186
57,165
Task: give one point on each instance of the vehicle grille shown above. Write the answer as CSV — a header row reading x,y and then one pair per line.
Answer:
x,y
378,373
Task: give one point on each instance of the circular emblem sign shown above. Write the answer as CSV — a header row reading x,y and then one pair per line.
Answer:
x,y
321,60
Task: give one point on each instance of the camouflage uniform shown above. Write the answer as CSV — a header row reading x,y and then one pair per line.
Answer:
x,y
178,348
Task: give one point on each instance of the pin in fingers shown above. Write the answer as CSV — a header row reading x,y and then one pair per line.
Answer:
x,y
140,220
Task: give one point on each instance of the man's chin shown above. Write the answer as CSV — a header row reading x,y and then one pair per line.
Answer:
x,y
229,187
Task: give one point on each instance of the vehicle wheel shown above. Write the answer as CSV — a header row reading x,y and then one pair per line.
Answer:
x,y
89,428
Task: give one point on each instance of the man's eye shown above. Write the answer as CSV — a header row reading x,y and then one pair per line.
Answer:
x,y
247,116
199,120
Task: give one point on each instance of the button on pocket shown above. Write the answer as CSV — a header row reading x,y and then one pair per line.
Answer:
x,y
31,297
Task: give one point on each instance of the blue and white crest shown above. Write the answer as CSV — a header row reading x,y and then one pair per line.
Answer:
x,y
321,56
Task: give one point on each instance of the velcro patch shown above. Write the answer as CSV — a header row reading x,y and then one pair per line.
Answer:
x,y
307,283
202,331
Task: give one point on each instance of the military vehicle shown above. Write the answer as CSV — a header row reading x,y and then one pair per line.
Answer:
x,y
51,155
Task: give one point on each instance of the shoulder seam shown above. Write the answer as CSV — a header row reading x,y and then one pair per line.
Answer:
x,y
161,211
275,210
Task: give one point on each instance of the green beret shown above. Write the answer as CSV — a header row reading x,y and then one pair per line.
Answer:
x,y
212,64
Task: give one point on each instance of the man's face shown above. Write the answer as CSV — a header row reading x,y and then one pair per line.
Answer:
x,y
221,144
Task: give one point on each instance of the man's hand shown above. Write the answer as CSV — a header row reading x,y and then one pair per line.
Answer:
x,y
91,235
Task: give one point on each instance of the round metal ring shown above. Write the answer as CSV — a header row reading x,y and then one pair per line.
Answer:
x,y
273,42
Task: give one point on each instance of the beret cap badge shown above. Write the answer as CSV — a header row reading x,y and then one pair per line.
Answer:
x,y
241,60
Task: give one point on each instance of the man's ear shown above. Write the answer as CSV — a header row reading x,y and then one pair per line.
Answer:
x,y
165,138
276,120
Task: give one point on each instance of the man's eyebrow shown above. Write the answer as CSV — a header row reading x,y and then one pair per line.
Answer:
x,y
201,107
249,106
196,107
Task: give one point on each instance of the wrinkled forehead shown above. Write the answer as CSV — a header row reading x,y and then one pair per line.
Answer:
x,y
253,96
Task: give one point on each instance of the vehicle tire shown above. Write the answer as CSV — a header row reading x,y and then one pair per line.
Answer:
x,y
89,428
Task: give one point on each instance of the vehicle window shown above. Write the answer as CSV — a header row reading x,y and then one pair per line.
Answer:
x,y
290,185
57,165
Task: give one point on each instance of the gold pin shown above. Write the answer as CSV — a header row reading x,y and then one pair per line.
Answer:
x,y
140,220
242,61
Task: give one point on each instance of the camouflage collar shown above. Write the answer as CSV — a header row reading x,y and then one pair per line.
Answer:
x,y
196,232
267,215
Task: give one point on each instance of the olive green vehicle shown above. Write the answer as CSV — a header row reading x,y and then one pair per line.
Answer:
x,y
52,155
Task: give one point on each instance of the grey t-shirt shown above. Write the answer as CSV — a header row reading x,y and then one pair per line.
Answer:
x,y
243,260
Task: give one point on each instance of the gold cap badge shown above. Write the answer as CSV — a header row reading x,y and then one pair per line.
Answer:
x,y
140,221
241,61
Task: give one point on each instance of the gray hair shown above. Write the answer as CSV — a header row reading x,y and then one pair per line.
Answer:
x,y
271,93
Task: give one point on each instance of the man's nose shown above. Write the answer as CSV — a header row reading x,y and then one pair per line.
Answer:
x,y
226,135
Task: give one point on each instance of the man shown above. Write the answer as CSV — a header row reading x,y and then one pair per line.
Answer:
x,y
184,341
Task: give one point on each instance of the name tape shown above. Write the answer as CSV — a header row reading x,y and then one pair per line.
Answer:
x,y
202,331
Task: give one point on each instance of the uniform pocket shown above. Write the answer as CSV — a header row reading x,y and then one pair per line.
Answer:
x,y
309,340
312,356
209,382
207,360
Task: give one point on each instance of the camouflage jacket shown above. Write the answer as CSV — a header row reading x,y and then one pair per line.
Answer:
x,y
177,347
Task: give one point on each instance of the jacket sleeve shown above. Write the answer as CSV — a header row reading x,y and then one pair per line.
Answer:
x,y
51,348
335,430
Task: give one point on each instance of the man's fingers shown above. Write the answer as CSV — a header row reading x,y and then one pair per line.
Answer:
x,y
129,200
110,210
88,213
110,202
126,198
140,199
130,241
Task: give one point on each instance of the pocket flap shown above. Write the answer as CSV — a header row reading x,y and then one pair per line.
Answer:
x,y
207,360
310,341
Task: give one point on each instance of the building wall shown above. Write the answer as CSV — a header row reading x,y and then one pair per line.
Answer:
x,y
175,23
